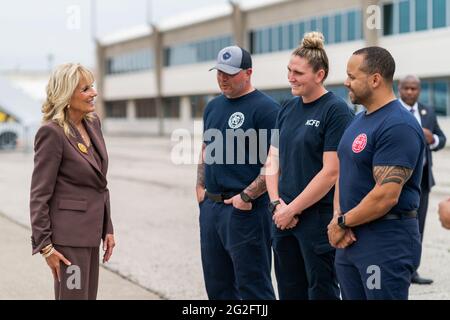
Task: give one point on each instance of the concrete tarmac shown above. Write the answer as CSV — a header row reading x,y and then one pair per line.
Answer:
x,y
155,216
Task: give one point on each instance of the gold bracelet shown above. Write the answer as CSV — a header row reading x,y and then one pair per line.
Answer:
x,y
48,254
46,249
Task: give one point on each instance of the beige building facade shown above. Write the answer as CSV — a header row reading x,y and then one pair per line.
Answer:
x,y
155,79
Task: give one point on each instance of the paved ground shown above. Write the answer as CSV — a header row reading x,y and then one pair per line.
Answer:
x,y
26,277
156,223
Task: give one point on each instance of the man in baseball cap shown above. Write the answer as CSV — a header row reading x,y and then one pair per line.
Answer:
x,y
233,59
235,227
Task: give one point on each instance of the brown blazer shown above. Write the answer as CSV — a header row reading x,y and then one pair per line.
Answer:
x,y
69,201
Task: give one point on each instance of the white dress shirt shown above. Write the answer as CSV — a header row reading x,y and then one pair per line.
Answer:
x,y
415,111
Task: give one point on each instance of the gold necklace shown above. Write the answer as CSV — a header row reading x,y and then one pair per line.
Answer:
x,y
85,139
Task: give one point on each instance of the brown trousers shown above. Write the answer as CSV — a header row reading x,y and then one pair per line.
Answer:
x,y
80,280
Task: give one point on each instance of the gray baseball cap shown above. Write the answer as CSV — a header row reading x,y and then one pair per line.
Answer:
x,y
233,59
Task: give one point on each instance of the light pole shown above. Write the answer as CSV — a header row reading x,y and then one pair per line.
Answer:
x,y
149,11
93,19
99,61
158,63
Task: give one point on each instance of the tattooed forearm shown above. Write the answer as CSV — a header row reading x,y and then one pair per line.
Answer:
x,y
396,174
201,169
257,187
201,175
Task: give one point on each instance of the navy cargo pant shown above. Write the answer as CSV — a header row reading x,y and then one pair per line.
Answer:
x,y
236,251
380,263
304,259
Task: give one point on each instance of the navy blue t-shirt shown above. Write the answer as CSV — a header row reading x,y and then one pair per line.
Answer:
x,y
306,131
390,136
237,136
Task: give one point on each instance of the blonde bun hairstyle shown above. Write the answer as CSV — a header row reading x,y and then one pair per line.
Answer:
x,y
313,40
312,48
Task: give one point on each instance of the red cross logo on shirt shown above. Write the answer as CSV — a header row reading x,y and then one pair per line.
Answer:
x,y
359,143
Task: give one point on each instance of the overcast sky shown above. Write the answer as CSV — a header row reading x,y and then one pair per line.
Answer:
x,y
30,30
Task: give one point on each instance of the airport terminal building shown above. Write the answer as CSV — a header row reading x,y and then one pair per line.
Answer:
x,y
154,79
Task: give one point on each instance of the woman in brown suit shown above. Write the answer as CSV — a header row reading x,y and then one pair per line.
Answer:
x,y
69,201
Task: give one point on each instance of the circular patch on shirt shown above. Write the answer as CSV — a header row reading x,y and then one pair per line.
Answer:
x,y
236,120
359,143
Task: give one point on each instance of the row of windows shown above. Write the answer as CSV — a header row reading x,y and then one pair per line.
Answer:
x,y
399,16
195,52
415,15
198,104
434,92
116,109
145,108
171,107
130,62
336,28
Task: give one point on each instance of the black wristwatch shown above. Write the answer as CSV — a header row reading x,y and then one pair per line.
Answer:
x,y
341,222
245,197
273,205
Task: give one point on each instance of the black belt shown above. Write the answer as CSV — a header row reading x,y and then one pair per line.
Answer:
x,y
220,197
399,215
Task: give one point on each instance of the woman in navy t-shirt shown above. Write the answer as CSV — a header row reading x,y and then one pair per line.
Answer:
x,y
301,173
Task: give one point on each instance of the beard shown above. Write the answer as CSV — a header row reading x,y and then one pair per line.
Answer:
x,y
361,95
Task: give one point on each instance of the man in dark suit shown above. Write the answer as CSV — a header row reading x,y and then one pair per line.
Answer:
x,y
409,89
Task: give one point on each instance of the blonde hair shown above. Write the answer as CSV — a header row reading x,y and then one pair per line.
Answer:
x,y
312,49
60,88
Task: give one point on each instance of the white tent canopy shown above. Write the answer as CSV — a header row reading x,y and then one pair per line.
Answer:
x,y
18,104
